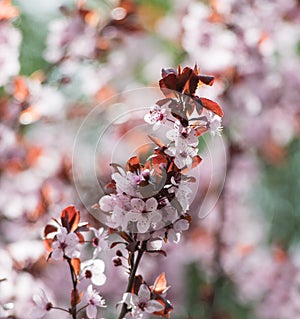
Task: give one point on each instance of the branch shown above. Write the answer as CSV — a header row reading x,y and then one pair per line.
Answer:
x,y
133,269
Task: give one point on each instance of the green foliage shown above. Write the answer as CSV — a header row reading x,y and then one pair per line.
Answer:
x,y
33,46
165,5
278,196
298,48
198,301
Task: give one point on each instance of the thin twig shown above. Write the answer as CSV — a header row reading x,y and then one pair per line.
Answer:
x,y
133,269
61,309
74,282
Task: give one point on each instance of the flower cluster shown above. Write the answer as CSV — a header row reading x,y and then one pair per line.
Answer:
x,y
62,239
86,33
155,196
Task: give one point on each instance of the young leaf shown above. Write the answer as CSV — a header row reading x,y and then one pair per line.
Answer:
x,y
70,218
212,106
75,297
75,262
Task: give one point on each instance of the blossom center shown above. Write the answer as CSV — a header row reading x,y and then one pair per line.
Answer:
x,y
49,306
142,305
184,154
96,241
63,245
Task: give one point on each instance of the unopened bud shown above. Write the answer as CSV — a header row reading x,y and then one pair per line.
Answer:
x,y
119,253
117,261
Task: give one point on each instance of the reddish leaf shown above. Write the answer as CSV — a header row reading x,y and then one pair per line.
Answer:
x,y
21,92
168,82
159,158
167,307
7,10
48,244
160,284
212,106
49,229
187,217
166,72
200,130
191,84
70,218
75,262
207,79
75,297
183,79
133,164
196,160
111,185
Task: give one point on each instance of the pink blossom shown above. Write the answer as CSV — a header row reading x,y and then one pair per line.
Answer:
x,y
127,183
94,301
141,302
66,244
41,305
100,240
145,214
156,116
70,37
93,269
183,146
10,40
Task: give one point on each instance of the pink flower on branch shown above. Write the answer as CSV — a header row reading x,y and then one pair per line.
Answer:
x,y
141,302
65,245
41,305
94,301
93,270
99,240
156,116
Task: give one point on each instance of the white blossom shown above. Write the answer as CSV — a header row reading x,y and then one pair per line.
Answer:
x,y
93,269
94,301
66,244
141,302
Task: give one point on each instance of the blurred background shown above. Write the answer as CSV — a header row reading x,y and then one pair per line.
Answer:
x,y
59,60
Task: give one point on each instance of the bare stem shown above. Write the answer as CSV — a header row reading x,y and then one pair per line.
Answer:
x,y
73,309
133,269
82,308
61,309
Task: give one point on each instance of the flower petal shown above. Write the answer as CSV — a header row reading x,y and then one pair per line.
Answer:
x,y
57,254
91,311
137,204
98,279
143,225
153,306
144,292
151,204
